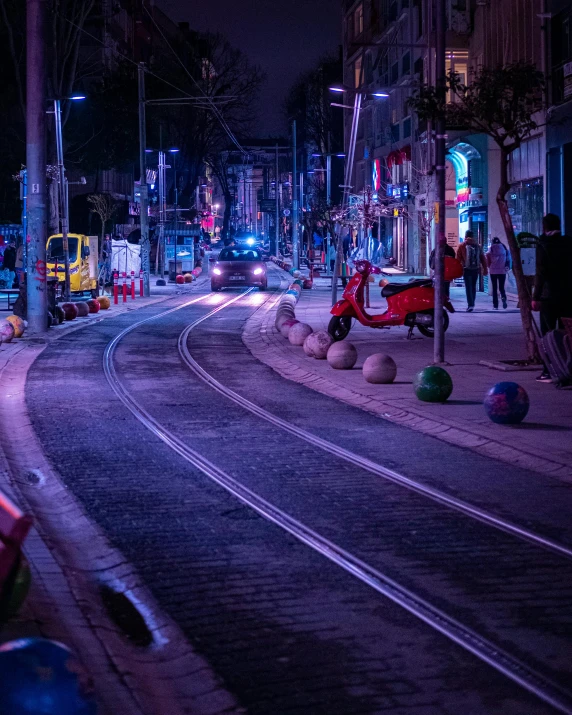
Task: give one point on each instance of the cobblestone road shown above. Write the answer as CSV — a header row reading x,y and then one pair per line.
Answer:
x,y
287,630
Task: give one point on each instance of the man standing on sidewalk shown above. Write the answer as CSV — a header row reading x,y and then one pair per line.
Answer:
x,y
473,261
552,293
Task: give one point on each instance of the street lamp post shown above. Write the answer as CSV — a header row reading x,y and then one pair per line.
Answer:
x,y
63,192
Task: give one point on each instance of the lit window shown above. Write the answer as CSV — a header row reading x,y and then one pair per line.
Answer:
x,y
357,73
358,21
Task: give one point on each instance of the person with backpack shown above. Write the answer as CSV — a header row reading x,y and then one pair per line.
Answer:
x,y
498,261
472,258
552,292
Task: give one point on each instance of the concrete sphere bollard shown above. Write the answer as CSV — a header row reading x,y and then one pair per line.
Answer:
x,y
286,325
7,331
104,302
318,344
189,277
17,324
282,318
70,311
342,356
289,299
82,309
298,333
93,306
379,369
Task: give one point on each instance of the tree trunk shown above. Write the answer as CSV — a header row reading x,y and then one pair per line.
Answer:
x,y
524,297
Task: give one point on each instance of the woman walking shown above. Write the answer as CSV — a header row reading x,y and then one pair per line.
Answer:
x,y
498,261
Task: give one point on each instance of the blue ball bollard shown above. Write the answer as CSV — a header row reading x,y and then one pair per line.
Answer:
x,y
42,677
507,403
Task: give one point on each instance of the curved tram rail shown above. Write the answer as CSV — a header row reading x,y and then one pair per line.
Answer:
x,y
546,690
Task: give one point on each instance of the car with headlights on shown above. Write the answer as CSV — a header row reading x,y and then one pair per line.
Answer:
x,y
238,266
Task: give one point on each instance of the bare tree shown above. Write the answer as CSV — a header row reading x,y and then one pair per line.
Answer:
x,y
504,103
105,206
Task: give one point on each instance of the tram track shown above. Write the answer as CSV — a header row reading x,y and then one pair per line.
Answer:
x,y
489,652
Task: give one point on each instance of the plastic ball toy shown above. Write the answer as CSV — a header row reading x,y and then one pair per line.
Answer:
x,y
43,677
507,403
433,384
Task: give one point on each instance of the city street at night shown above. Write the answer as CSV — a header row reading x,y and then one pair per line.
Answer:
x,y
286,357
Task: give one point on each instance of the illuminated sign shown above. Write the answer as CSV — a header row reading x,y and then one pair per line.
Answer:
x,y
376,175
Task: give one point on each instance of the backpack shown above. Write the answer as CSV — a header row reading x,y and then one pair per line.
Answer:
x,y
556,352
472,256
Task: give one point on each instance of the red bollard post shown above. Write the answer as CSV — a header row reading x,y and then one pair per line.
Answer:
x,y
132,285
141,284
124,277
115,287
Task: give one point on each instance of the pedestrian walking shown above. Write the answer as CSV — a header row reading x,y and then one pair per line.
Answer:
x,y
552,292
471,256
498,261
448,251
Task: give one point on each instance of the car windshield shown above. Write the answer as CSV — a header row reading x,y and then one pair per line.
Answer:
x,y
56,250
239,254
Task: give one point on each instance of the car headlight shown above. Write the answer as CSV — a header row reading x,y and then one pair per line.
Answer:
x,y
217,271
258,271
250,241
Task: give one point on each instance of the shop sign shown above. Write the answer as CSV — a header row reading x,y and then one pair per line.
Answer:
x,y
397,191
376,175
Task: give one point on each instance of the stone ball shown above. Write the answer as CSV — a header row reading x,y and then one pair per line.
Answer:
x,y
179,280
189,278
104,302
307,346
282,318
379,369
298,333
286,325
289,298
342,355
70,311
17,324
93,306
82,309
7,331
318,344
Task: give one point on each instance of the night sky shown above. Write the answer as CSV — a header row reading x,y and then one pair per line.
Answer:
x,y
285,38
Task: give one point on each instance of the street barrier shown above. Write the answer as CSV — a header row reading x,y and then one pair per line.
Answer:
x,y
124,278
132,285
141,284
115,287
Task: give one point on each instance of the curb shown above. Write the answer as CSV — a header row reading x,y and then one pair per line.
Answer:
x,y
263,341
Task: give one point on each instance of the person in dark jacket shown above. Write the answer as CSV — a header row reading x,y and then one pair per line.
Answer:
x,y
9,262
498,261
552,292
473,261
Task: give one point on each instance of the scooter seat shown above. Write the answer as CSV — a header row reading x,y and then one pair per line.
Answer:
x,y
394,288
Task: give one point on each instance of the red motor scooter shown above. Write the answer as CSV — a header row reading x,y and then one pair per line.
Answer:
x,y
411,304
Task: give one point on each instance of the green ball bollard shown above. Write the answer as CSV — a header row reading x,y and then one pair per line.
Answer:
x,y
13,600
433,384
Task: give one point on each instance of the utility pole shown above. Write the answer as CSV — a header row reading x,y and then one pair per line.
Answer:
x,y
295,244
440,138
277,214
328,179
62,184
143,214
36,285
160,260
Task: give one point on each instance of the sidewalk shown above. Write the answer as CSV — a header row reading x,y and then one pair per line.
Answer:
x,y
542,442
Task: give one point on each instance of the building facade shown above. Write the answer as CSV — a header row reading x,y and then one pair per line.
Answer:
x,y
388,51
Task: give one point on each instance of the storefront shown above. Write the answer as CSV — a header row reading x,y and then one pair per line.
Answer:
x,y
399,201
465,209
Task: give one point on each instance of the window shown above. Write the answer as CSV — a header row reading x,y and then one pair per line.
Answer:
x,y
395,133
358,20
457,61
357,73
394,72
406,63
407,127
418,68
368,68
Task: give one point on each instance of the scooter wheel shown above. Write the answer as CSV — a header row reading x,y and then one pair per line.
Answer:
x,y
339,327
430,332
